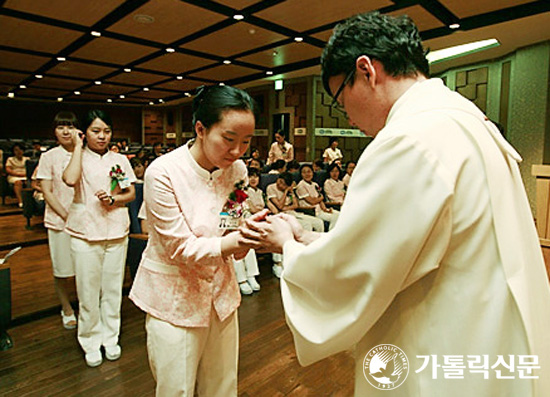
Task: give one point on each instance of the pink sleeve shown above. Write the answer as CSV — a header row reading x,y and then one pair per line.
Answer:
x,y
301,191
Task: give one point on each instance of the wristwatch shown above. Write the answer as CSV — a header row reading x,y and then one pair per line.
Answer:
x,y
112,200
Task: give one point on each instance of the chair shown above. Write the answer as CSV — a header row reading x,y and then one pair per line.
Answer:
x,y
266,180
137,240
30,206
5,308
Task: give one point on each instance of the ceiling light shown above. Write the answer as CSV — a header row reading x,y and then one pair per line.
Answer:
x,y
121,96
77,92
278,85
22,86
187,94
298,39
97,82
221,84
109,100
151,103
454,26
127,70
461,50
238,17
227,62
170,49
38,76
11,95
95,33
145,89
61,59
179,77
142,18
161,101
59,99
269,73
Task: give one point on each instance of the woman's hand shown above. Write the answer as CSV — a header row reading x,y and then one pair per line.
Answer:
x,y
106,199
77,137
271,234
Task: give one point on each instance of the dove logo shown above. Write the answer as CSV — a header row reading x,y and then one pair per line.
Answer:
x,y
386,367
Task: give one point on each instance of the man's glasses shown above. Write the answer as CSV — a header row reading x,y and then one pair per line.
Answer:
x,y
335,104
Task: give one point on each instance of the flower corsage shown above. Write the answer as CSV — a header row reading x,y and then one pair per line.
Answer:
x,y
118,177
234,208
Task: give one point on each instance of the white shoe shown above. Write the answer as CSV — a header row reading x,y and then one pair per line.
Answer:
x,y
93,359
277,270
113,353
245,288
253,283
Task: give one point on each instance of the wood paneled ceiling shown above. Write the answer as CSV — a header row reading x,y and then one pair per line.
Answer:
x,y
209,46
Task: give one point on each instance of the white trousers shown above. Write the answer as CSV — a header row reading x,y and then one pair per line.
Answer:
x,y
246,267
331,217
99,277
181,356
310,223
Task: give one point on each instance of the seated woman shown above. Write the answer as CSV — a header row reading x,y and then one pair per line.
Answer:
x,y
246,269
350,166
310,197
334,188
281,198
17,174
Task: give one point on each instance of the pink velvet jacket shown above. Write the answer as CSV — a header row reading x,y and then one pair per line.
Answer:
x,y
182,273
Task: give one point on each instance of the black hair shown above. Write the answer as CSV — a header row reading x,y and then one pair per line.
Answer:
x,y
135,161
19,145
97,114
157,144
65,118
287,177
253,171
305,165
332,139
281,133
393,41
210,103
332,166
293,164
278,164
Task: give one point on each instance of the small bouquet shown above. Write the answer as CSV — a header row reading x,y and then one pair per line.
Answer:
x,y
234,208
118,177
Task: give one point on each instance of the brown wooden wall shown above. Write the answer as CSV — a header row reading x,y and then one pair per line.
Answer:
x,y
33,120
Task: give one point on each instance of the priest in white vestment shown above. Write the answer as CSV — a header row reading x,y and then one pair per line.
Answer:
x,y
435,251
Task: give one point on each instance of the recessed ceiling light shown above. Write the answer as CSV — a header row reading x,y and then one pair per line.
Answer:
x,y
269,73
127,70
275,53
227,62
145,89
238,17
222,84
461,50
97,82
59,99
161,100
179,77
77,92
298,39
11,95
61,59
22,86
187,94
109,100
142,18
38,76
170,49
121,96
454,26
151,103
95,33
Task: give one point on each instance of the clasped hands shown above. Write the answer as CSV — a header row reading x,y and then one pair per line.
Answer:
x,y
268,233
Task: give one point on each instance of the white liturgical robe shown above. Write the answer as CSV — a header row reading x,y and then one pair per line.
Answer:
x,y
435,252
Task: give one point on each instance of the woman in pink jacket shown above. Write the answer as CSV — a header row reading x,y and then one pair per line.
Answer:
x,y
185,282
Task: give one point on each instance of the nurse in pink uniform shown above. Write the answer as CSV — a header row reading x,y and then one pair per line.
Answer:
x,y
98,223
185,282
